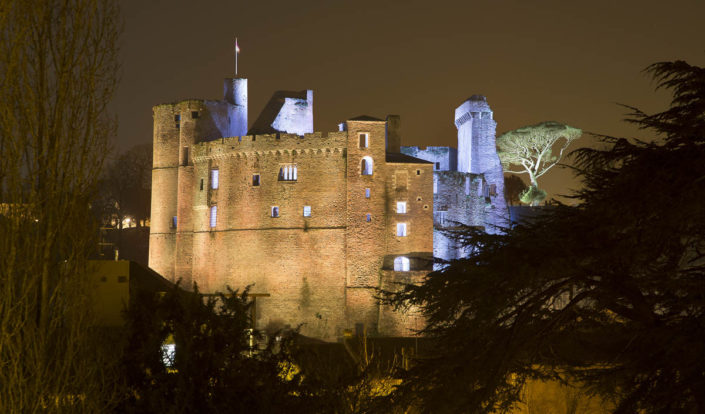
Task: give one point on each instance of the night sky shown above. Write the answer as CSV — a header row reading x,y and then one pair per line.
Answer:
x,y
535,61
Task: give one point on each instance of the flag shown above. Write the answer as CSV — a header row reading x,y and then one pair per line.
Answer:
x,y
237,48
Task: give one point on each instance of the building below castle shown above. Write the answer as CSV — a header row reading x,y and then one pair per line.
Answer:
x,y
314,222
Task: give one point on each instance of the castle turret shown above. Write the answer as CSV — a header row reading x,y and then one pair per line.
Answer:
x,y
235,93
477,154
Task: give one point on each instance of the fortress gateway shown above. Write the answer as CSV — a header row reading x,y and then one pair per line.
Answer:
x,y
314,221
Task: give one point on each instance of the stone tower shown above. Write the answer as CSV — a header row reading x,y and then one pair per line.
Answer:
x,y
477,154
235,93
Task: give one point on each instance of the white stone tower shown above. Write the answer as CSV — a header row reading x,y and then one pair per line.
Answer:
x,y
235,93
477,154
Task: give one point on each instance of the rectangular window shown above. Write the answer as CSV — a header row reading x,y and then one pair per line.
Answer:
x,y
442,218
255,180
401,229
467,185
275,211
401,207
173,222
438,166
307,211
367,193
194,114
201,187
177,120
185,156
214,216
418,172
288,172
369,217
364,140
214,178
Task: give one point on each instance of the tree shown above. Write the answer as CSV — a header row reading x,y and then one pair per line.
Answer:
x,y
213,368
126,186
58,65
514,187
532,148
608,293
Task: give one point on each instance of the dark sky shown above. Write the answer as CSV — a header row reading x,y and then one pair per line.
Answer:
x,y
568,61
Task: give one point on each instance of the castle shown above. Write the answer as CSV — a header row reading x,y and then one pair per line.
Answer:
x,y
315,222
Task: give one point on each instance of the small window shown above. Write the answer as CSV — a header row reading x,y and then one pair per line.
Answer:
x,y
418,198
401,264
364,140
369,217
418,172
275,211
194,114
442,218
401,229
435,184
173,222
287,172
307,211
255,180
367,193
401,207
214,178
177,118
366,166
214,216
201,186
438,166
467,185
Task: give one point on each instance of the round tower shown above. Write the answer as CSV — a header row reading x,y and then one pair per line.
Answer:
x,y
235,93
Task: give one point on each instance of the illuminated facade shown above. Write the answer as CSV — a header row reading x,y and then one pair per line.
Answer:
x,y
315,221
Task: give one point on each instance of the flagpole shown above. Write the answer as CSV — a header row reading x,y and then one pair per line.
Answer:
x,y
236,56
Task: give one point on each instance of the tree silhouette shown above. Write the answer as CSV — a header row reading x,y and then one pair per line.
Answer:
x,y
608,293
514,187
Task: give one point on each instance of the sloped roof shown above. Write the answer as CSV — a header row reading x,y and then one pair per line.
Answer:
x,y
366,118
263,124
395,157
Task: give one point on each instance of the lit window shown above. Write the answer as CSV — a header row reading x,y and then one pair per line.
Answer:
x,y
442,218
369,217
214,215
367,193
275,211
168,354
307,211
366,166
435,184
401,229
255,180
214,178
287,172
401,207
364,140
401,264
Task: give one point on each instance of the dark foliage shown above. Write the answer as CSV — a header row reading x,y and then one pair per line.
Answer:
x,y
214,368
514,186
611,292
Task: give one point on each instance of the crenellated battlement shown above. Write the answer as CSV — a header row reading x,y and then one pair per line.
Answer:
x,y
314,143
